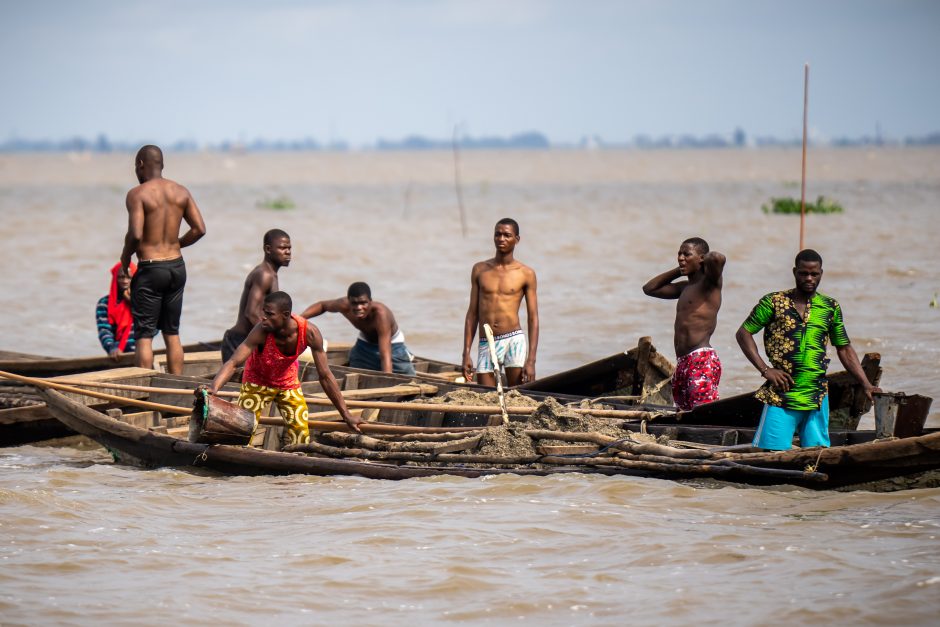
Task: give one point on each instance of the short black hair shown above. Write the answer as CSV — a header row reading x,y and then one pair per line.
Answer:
x,y
274,234
150,153
510,222
699,243
280,300
359,289
808,255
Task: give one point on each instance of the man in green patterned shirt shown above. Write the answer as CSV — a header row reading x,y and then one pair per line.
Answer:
x,y
798,325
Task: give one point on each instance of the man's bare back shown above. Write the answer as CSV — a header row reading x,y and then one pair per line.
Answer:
x,y
698,298
497,287
156,208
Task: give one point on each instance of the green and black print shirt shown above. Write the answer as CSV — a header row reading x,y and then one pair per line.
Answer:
x,y
797,345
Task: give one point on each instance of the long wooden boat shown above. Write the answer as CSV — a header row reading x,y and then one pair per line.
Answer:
x,y
150,440
43,366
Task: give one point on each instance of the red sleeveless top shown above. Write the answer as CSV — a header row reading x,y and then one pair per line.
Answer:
x,y
272,368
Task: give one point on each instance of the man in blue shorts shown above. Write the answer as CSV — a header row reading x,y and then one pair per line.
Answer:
x,y
798,325
381,344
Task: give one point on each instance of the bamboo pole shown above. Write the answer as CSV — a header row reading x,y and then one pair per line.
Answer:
x,y
396,390
43,383
803,178
499,377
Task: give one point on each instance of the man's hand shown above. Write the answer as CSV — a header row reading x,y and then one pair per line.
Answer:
x,y
528,372
467,368
114,354
353,422
779,379
870,390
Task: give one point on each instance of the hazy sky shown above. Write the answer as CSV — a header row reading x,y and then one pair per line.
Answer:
x,y
361,70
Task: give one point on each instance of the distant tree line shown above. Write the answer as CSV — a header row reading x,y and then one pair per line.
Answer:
x,y
531,140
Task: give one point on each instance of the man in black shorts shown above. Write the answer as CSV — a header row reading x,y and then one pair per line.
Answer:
x,y
156,208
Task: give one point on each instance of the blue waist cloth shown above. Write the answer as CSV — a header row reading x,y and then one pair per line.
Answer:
x,y
366,355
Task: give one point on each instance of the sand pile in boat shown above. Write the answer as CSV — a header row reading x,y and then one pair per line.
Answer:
x,y
514,398
511,440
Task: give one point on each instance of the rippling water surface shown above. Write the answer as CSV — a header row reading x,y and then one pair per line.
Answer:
x,y
83,541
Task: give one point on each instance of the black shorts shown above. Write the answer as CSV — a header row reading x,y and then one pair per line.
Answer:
x,y
157,297
230,342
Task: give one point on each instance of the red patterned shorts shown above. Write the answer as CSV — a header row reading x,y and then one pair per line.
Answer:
x,y
695,381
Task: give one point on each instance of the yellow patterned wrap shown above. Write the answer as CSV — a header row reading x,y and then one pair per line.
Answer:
x,y
290,403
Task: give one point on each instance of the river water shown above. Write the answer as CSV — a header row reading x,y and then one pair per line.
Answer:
x,y
83,541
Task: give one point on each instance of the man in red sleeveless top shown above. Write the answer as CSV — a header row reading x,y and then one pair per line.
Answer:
x,y
271,351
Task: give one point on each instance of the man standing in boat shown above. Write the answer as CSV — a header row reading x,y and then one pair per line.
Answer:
x,y
271,351
261,281
798,324
698,369
381,344
497,287
156,208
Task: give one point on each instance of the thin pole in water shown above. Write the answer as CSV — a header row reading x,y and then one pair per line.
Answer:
x,y
803,180
457,186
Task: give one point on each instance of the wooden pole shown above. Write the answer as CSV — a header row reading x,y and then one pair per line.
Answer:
x,y
499,377
457,185
803,178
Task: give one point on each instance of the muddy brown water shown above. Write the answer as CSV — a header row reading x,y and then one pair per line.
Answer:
x,y
83,541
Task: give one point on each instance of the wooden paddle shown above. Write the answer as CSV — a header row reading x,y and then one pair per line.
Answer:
x,y
499,379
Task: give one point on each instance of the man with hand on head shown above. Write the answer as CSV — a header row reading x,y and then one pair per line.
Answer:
x,y
698,369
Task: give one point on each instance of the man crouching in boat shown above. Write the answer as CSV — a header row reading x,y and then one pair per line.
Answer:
x,y
271,351
381,344
798,324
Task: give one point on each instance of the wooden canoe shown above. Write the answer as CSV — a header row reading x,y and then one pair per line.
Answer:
x,y
835,467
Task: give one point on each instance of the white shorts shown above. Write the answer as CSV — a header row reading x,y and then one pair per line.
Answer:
x,y
511,351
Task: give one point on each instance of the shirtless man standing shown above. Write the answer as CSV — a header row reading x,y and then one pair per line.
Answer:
x,y
260,282
497,287
381,344
698,369
156,208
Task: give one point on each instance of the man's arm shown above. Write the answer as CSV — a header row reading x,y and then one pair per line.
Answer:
x,y
532,319
135,228
105,330
470,323
327,380
323,306
849,359
713,265
383,328
778,378
254,340
197,228
662,286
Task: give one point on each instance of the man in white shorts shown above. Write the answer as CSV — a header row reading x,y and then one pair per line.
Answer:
x,y
497,287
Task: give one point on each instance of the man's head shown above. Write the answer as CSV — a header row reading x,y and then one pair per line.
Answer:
x,y
808,271
277,248
506,235
275,312
360,299
149,163
691,255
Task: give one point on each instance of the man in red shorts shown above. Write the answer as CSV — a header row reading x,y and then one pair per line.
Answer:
x,y
698,369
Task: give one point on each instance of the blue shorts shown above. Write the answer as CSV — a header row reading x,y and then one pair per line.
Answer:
x,y
366,355
777,426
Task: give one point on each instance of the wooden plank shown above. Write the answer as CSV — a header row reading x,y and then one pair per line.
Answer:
x,y
579,449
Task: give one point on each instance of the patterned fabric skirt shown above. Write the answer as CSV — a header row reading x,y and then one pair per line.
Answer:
x,y
290,403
